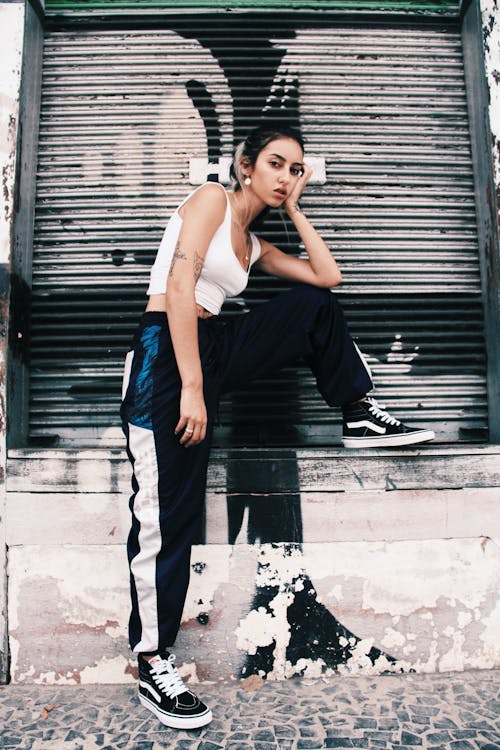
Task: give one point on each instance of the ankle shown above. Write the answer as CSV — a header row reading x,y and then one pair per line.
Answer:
x,y
148,655
353,403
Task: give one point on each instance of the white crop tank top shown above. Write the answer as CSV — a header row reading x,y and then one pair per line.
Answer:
x,y
222,274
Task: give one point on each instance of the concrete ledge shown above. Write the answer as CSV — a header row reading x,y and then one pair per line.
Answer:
x,y
43,519
277,470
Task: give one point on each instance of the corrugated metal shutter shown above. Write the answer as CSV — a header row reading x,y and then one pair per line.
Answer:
x,y
69,8
384,105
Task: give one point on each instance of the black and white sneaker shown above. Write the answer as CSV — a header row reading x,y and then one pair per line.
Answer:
x,y
162,690
367,425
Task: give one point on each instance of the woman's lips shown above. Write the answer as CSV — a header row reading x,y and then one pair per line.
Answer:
x,y
280,192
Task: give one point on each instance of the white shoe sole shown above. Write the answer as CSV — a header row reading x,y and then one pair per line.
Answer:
x,y
191,722
387,441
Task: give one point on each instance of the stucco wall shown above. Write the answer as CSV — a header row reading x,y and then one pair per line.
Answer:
x,y
345,600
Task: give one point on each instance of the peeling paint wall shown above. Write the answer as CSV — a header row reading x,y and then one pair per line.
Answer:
x,y
275,610
11,40
490,10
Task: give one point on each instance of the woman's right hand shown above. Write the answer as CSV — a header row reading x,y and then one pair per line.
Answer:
x,y
193,417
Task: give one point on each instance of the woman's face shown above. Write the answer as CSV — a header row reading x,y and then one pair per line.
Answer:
x,y
277,170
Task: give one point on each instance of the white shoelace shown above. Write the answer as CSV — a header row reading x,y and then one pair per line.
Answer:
x,y
378,411
168,678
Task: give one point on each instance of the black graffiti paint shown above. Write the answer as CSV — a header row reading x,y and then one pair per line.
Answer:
x,y
250,61
276,518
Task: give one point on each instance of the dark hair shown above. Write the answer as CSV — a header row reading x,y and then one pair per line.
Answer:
x,y
256,140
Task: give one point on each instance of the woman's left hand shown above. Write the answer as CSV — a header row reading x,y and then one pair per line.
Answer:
x,y
292,202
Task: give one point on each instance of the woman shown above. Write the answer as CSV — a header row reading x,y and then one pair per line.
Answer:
x,y
184,356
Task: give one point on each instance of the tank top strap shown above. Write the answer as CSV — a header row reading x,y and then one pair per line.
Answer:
x,y
256,248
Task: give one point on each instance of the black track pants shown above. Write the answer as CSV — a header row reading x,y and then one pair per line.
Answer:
x,y
169,480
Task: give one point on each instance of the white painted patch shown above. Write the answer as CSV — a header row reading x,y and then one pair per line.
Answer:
x,y
308,668
187,671
454,658
491,631
214,572
277,568
490,11
336,593
279,606
256,629
11,44
107,672
392,638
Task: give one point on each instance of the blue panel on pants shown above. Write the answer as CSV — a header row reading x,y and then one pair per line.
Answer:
x,y
139,398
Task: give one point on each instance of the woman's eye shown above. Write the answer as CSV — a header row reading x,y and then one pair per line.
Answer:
x,y
296,171
275,163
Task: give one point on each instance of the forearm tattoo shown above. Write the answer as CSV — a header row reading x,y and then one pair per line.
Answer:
x,y
197,265
178,255
296,208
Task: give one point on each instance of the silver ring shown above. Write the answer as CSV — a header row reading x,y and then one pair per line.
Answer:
x,y
189,432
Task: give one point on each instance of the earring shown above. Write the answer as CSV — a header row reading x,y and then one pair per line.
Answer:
x,y
248,181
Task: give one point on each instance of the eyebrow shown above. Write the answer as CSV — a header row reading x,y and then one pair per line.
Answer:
x,y
298,163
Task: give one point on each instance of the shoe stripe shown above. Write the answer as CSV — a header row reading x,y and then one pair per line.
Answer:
x,y
153,692
369,425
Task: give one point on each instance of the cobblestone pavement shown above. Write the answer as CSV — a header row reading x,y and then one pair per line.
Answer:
x,y
453,711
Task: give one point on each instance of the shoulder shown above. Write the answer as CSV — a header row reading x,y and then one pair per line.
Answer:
x,y
209,199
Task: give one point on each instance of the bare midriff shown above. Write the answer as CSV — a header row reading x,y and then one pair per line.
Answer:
x,y
157,303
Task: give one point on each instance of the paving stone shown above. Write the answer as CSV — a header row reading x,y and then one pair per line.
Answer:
x,y
435,738
216,737
388,723
338,742
264,736
493,737
403,716
285,731
423,710
382,735
407,738
445,723
308,732
365,723
420,719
